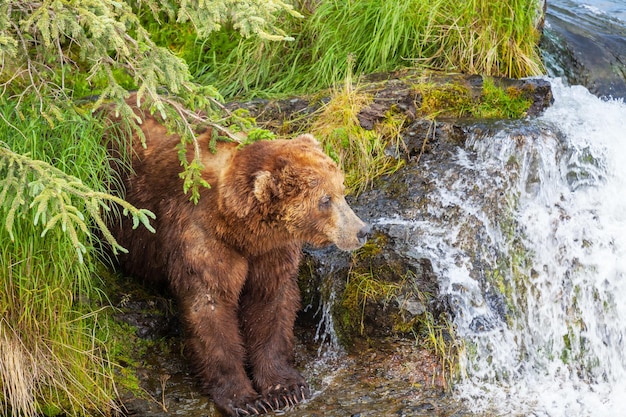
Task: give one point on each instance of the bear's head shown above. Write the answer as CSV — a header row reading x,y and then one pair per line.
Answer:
x,y
293,186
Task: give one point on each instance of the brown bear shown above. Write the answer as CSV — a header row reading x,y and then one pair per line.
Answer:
x,y
231,260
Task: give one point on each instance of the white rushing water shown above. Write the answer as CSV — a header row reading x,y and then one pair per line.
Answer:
x,y
528,234
558,347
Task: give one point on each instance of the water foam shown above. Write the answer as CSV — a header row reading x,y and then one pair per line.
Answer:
x,y
553,342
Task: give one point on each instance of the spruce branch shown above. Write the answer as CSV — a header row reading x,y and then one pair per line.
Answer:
x,y
57,199
250,17
46,45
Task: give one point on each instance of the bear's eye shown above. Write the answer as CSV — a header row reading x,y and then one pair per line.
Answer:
x,y
325,202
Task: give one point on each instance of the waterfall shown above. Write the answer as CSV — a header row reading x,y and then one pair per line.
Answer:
x,y
534,260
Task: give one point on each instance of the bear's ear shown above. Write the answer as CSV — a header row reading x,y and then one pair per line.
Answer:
x,y
264,186
308,139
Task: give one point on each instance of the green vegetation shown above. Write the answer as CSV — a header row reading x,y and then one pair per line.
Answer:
x,y
50,360
501,103
439,336
58,347
383,298
457,100
363,288
496,38
366,292
361,153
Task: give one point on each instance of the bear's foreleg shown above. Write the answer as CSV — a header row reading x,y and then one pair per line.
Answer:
x,y
208,300
269,303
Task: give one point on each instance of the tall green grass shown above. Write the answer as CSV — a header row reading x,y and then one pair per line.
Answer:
x,y
53,358
497,37
489,37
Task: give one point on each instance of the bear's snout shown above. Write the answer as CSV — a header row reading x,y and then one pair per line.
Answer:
x,y
350,232
363,234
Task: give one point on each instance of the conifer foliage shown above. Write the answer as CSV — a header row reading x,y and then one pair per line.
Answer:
x,y
54,171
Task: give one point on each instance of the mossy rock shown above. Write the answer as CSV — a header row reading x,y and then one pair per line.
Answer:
x,y
375,292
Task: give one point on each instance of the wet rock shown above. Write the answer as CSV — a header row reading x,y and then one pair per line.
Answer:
x,y
394,289
587,49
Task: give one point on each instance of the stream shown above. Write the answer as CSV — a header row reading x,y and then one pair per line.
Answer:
x,y
526,230
585,43
539,303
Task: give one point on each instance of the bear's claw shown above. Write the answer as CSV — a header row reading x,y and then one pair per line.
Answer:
x,y
256,408
280,397
277,398
253,409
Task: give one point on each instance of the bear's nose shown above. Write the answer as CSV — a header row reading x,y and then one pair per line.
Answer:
x,y
363,234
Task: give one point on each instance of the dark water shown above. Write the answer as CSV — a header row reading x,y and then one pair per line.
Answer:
x,y
585,41
612,8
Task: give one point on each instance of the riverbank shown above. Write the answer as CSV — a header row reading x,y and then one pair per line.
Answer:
x,y
364,352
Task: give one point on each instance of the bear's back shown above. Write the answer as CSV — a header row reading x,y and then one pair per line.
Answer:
x,y
154,182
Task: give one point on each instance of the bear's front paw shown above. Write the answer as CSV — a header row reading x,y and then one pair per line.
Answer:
x,y
280,396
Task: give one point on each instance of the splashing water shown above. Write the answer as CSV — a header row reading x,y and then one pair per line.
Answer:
x,y
540,299
528,234
325,334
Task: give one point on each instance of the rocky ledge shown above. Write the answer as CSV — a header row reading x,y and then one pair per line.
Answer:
x,y
374,323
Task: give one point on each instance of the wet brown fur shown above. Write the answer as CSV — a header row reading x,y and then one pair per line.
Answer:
x,y
231,260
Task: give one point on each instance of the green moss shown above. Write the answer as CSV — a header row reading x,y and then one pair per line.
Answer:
x,y
447,100
512,275
457,100
372,247
50,410
126,350
501,103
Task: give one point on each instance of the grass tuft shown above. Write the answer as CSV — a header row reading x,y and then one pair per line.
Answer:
x,y
364,155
